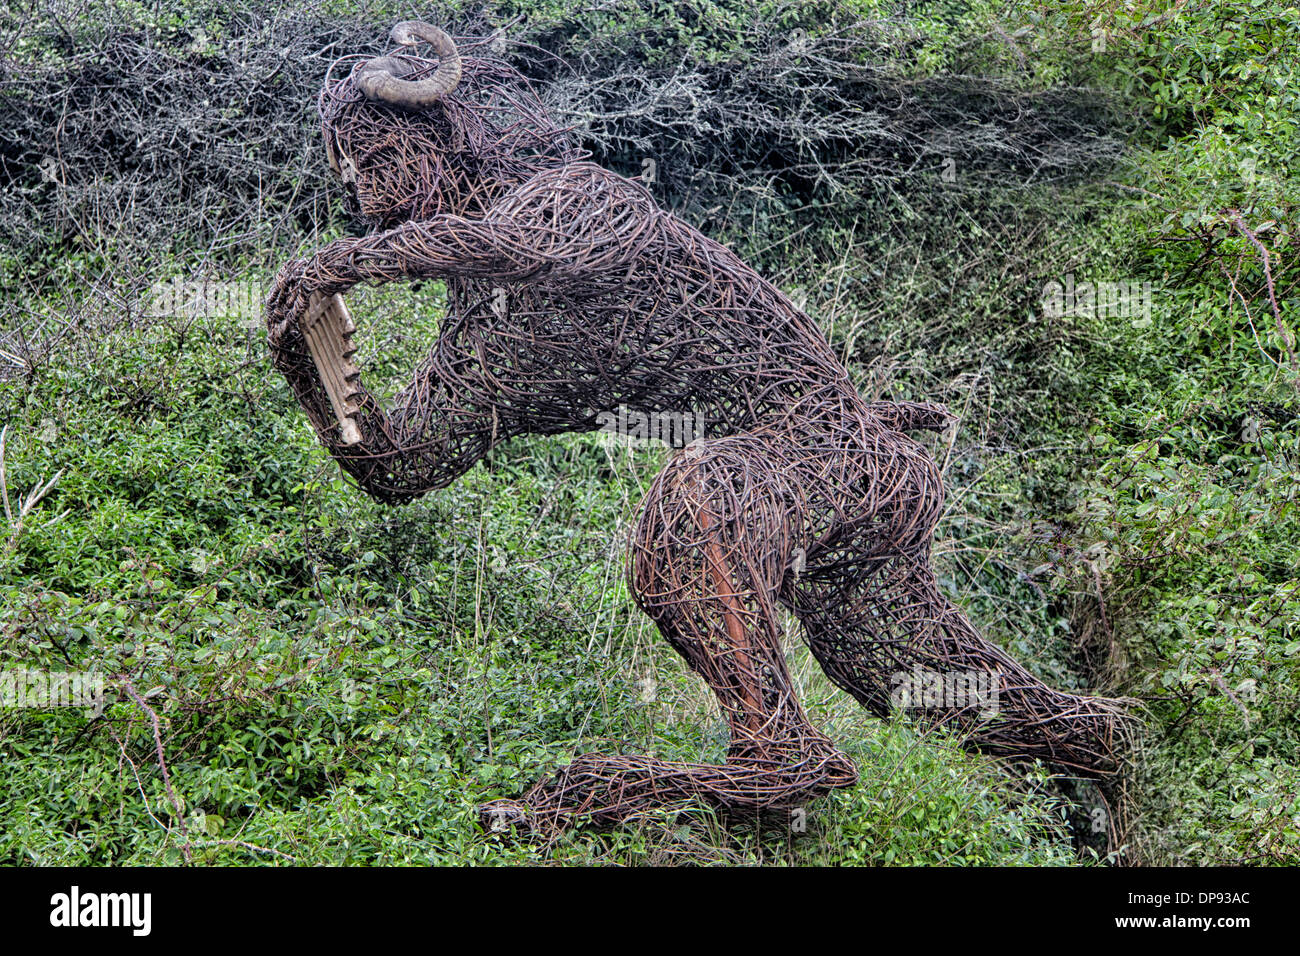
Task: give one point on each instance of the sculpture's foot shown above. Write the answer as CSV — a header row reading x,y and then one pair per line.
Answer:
x,y
1083,733
605,791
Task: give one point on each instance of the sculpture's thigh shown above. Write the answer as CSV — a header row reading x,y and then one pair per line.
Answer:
x,y
709,554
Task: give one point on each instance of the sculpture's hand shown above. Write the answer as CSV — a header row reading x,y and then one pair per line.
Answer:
x,y
286,304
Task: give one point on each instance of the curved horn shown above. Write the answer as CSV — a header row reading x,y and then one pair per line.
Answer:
x,y
383,78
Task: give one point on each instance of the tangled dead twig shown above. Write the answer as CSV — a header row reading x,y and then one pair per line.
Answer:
x,y
186,845
1283,333
16,522
129,136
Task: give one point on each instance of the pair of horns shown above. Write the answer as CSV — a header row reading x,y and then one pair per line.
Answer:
x,y
384,79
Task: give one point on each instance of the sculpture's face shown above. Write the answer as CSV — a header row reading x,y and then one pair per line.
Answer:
x,y
411,140
399,166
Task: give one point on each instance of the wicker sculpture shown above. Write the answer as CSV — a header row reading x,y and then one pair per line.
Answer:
x,y
570,293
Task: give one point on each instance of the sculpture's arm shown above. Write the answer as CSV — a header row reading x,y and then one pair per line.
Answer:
x,y
502,250
436,432
569,224
432,436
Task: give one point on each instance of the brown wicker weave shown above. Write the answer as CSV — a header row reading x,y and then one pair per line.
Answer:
x,y
571,293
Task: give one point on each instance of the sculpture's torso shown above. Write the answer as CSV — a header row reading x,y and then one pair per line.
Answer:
x,y
683,326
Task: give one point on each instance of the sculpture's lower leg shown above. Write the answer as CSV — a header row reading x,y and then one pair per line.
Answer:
x,y
899,643
708,557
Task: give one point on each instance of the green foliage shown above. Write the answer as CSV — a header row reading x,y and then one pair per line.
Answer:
x,y
1190,511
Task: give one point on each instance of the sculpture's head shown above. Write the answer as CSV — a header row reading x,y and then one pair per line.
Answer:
x,y
412,137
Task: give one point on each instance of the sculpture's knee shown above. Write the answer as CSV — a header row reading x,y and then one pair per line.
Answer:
x,y
717,513
924,505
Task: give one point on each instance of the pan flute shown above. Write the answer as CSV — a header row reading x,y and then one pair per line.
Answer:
x,y
328,330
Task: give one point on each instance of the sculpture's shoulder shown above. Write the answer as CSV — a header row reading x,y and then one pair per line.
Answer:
x,y
580,198
592,180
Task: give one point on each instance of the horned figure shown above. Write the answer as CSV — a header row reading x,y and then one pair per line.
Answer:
x,y
570,293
